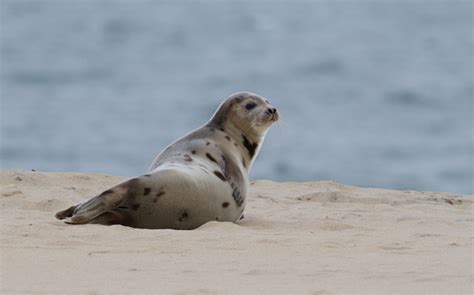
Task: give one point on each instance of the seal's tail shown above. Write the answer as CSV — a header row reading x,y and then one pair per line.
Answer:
x,y
99,208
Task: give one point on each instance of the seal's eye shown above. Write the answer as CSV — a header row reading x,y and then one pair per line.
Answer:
x,y
250,105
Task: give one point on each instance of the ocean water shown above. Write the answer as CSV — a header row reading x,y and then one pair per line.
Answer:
x,y
373,93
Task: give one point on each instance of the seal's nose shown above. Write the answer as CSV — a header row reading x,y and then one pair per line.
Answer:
x,y
274,113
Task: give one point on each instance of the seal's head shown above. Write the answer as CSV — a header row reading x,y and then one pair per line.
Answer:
x,y
248,112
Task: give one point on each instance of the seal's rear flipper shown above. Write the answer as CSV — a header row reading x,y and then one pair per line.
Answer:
x,y
66,213
98,209
110,218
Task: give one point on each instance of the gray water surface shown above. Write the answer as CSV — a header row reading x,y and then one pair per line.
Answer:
x,y
372,93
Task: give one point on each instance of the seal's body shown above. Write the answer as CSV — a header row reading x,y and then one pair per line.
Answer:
x,y
199,178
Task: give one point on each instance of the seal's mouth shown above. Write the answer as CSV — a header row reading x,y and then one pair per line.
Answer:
x,y
275,116
269,116
272,114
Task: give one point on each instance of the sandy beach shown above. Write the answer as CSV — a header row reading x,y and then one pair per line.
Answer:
x,y
297,238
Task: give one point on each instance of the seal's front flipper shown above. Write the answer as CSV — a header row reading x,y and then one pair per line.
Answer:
x,y
98,209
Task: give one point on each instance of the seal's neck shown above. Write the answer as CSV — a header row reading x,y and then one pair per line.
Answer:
x,y
247,142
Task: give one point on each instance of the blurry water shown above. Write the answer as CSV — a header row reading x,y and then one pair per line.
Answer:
x,y
373,93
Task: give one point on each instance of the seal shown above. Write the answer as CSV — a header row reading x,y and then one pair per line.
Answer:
x,y
204,176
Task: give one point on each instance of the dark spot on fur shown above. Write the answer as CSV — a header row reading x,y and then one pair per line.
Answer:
x,y
222,129
160,194
267,101
238,198
235,144
157,196
225,204
212,129
146,191
243,162
217,218
183,216
107,192
135,207
193,152
208,143
227,137
187,158
251,147
242,217
147,175
218,174
211,157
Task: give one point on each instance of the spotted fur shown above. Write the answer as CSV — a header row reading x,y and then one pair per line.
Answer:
x,y
211,158
251,147
218,174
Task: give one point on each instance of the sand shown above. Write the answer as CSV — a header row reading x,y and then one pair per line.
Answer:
x,y
297,238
